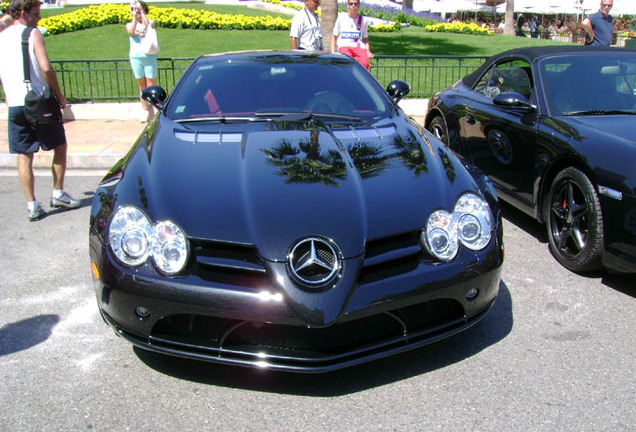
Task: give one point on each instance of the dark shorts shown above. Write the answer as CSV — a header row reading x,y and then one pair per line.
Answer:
x,y
23,138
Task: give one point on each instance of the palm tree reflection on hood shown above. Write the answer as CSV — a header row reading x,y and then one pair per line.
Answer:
x,y
303,162
412,154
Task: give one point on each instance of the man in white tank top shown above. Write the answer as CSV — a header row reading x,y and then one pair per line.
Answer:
x,y
25,139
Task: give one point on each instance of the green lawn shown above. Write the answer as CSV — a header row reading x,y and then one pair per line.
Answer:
x,y
112,42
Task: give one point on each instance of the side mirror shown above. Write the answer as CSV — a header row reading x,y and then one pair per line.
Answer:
x,y
513,100
398,90
155,95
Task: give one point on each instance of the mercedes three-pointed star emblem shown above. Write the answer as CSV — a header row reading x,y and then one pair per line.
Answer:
x,y
314,261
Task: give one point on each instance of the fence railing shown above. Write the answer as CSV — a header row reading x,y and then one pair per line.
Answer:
x,y
113,81
425,74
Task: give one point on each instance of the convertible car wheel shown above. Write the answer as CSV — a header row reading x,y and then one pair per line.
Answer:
x,y
438,128
574,222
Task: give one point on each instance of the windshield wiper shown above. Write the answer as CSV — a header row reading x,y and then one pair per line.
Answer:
x,y
272,116
306,115
222,119
599,112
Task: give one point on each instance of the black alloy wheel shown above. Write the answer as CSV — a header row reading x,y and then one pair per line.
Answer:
x,y
574,221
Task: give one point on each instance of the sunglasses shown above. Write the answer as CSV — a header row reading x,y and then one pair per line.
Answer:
x,y
354,4
602,5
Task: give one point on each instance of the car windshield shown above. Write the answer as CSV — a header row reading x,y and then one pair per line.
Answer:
x,y
598,84
258,86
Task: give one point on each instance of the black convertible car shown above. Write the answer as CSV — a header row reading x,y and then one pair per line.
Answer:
x,y
555,130
281,211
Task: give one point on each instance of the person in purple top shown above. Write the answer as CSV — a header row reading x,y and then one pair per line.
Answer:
x,y
598,26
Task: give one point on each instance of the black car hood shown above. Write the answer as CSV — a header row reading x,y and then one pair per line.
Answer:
x,y
619,126
270,184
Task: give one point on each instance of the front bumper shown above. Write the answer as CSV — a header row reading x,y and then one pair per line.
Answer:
x,y
232,322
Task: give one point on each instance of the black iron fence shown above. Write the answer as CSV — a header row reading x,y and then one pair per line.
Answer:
x,y
113,81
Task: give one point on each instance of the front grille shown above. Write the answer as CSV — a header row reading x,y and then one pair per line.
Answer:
x,y
294,347
241,265
228,264
392,256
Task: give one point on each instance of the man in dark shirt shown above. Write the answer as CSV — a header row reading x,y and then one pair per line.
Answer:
x,y
520,22
598,26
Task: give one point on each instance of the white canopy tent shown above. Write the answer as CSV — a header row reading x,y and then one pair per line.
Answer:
x,y
575,7
449,6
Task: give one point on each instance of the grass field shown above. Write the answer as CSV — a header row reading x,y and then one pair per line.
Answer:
x,y
110,42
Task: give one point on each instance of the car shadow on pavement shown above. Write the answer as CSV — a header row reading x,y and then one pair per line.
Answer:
x,y
27,333
495,326
625,284
524,222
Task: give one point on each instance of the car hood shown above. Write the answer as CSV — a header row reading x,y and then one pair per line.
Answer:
x,y
622,127
271,184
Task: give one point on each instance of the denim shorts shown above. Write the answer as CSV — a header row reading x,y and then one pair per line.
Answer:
x,y
144,67
24,138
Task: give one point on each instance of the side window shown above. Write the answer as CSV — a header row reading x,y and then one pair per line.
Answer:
x,y
482,85
508,76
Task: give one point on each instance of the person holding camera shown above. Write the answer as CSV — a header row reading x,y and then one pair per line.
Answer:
x,y
143,52
25,139
305,33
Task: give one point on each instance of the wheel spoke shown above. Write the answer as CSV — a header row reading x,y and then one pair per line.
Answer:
x,y
578,238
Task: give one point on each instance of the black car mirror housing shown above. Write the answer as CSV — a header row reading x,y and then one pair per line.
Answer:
x,y
513,100
398,90
155,95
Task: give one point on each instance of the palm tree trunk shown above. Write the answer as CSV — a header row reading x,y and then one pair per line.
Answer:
x,y
510,18
329,13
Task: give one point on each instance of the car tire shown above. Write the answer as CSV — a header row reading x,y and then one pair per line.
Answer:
x,y
438,128
574,221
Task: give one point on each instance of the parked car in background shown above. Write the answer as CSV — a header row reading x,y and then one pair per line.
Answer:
x,y
281,211
555,130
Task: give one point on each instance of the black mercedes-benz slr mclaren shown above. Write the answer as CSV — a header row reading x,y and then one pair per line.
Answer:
x,y
281,211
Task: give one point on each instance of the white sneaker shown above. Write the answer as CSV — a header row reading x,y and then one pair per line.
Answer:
x,y
65,201
37,213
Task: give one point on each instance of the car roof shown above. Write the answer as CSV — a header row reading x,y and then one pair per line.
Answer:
x,y
532,54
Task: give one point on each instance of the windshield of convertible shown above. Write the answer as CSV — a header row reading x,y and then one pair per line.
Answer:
x,y
269,85
598,84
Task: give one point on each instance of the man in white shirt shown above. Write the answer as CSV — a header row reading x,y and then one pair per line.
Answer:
x,y
306,33
25,139
351,35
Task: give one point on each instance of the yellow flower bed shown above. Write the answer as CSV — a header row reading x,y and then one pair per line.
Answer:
x,y
459,27
95,16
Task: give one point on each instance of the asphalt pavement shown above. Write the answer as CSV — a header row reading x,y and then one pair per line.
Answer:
x,y
98,135
555,354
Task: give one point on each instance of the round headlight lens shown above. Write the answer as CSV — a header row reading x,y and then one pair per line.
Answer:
x,y
130,234
469,229
170,250
474,221
441,236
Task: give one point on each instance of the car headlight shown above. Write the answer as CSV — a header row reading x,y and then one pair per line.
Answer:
x,y
170,249
469,224
133,239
